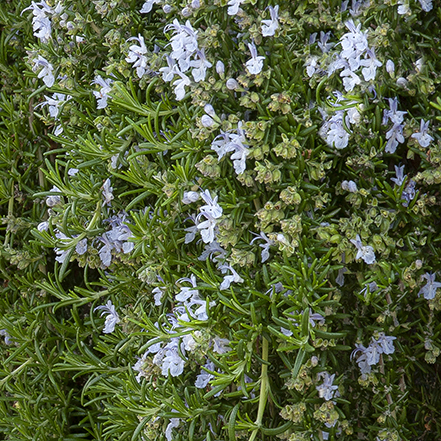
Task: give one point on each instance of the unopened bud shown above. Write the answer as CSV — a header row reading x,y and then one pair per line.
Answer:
x,y
232,84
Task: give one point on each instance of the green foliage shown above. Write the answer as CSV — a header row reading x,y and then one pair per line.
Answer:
x,y
249,226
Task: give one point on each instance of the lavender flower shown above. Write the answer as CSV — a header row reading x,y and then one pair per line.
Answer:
x,y
112,319
423,138
102,94
364,252
45,72
429,289
326,390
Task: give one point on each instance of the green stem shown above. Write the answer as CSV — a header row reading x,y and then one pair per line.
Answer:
x,y
10,212
263,398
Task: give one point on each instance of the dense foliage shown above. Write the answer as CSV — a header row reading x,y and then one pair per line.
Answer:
x,y
220,220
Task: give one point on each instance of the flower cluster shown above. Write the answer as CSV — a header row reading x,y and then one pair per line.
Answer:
x,y
370,356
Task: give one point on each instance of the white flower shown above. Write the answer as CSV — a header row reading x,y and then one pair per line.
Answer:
x,y
394,115
254,65
233,6
426,5
174,422
137,55
311,65
41,22
423,138
157,296
147,6
229,279
364,252
429,289
184,43
403,7
102,94
112,319
54,102
187,292
169,72
200,65
269,27
212,207
45,72
107,191
207,227
327,389
168,358
265,246
208,108
353,43
213,251
180,84
371,63
350,79
334,132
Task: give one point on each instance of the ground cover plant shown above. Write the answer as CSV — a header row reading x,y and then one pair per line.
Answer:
x,y
220,220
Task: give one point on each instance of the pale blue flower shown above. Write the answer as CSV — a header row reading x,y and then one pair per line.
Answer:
x,y
112,318
234,277
365,252
429,289
423,138
205,377
326,390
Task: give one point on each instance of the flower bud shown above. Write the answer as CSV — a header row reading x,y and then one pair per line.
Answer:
x,y
390,67
167,9
402,82
186,12
232,84
209,110
190,196
207,121
220,67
